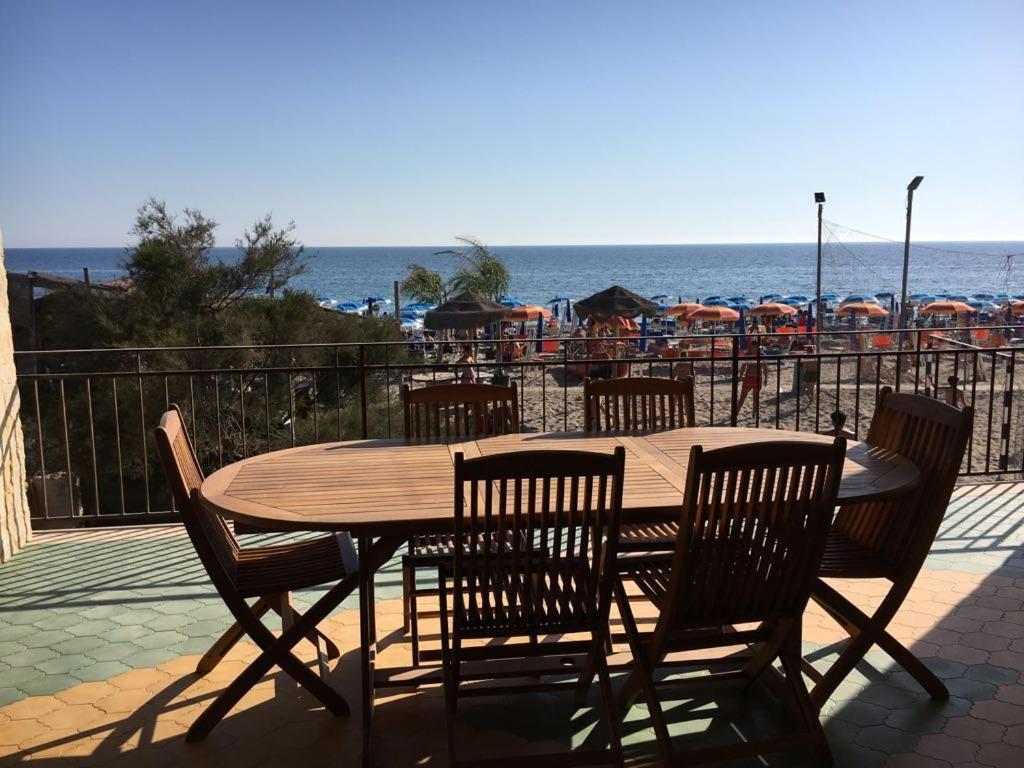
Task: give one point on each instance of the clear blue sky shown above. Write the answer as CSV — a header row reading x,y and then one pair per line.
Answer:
x,y
387,123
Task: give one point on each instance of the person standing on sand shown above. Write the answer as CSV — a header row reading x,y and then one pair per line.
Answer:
x,y
753,375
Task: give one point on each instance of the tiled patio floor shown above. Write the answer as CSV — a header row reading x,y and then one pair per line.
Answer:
x,y
100,633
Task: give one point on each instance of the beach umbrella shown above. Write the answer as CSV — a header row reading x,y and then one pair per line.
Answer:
x,y
464,312
716,314
1001,298
983,306
983,296
527,312
743,305
921,297
1018,297
862,309
947,308
659,297
643,333
825,297
508,301
798,299
615,302
711,298
859,298
789,302
773,309
717,303
956,297
739,300
741,329
885,295
769,297
682,310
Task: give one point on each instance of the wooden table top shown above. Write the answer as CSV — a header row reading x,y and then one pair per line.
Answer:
x,y
392,487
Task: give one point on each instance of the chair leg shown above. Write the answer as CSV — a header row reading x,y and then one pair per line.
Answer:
x,y
229,639
414,616
590,667
641,678
608,707
789,655
315,636
449,663
870,630
405,597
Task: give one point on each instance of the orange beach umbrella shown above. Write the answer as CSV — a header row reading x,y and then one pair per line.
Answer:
x,y
773,309
862,309
682,311
947,308
715,314
527,312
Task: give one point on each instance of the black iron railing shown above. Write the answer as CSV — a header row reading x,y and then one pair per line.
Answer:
x,y
88,415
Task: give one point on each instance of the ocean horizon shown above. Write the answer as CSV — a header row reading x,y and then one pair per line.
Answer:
x,y
541,272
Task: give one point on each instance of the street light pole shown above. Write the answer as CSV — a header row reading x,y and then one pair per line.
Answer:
x,y
911,187
819,198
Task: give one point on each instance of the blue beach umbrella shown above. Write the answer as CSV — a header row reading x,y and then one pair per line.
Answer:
x,y
825,297
717,301
921,297
983,296
957,297
859,297
790,302
643,333
1001,298
739,299
769,297
799,298
658,297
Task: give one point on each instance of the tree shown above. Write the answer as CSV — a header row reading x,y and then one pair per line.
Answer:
x,y
424,285
481,272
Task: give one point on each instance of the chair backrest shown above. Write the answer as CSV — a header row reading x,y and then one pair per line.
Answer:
x,y
211,537
752,532
934,436
539,534
459,410
638,403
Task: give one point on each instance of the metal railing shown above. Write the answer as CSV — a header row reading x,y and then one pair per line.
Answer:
x,y
88,415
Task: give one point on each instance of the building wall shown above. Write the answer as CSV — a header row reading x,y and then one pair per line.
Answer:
x,y
15,528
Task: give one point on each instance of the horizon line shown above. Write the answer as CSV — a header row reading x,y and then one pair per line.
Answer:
x,y
8,247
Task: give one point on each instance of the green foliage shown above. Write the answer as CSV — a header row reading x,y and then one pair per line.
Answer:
x,y
480,271
424,285
240,394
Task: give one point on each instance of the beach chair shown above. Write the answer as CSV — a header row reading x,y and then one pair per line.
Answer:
x,y
239,574
890,540
752,530
447,412
640,404
522,608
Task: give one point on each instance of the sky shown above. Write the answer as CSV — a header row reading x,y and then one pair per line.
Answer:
x,y
407,123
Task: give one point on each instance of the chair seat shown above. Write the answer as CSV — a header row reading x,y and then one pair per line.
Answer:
x,y
287,567
845,558
648,536
432,549
559,598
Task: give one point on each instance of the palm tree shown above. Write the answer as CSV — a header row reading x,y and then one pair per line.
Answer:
x,y
424,285
481,272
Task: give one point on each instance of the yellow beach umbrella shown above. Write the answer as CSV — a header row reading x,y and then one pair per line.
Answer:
x,y
527,312
715,314
947,308
862,309
682,311
773,309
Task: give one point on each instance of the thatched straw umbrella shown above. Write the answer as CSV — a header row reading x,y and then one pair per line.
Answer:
x,y
465,312
615,302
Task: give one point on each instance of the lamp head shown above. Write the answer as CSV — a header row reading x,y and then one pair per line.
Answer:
x,y
819,197
915,183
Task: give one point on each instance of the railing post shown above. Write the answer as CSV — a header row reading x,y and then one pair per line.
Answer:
x,y
362,390
734,408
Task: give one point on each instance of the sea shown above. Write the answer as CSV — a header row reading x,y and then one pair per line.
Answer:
x,y
541,273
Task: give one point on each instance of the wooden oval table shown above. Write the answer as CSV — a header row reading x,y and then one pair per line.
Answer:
x,y
385,491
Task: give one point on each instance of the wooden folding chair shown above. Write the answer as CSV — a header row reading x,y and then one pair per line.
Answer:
x,y
890,540
643,404
537,535
239,574
447,412
751,535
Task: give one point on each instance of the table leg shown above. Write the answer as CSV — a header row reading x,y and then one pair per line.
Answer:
x,y
372,555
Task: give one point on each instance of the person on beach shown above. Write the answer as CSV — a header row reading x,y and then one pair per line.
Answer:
x,y
753,375
466,375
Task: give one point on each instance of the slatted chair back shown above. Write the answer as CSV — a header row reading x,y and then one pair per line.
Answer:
x,y
216,545
638,403
539,531
934,436
752,532
460,410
